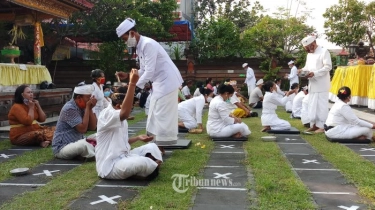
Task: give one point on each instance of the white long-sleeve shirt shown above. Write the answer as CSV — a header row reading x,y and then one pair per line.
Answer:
x,y
194,107
186,91
250,77
297,104
271,101
320,63
99,96
157,66
342,114
279,91
218,115
293,76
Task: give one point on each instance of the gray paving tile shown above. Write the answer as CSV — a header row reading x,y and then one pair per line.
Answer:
x,y
8,192
309,161
225,159
226,177
343,202
103,198
224,198
218,207
297,148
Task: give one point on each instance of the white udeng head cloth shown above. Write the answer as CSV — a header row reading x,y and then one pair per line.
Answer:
x,y
125,26
84,89
260,82
244,65
308,40
291,62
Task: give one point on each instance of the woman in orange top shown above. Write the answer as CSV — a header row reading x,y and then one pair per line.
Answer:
x,y
23,120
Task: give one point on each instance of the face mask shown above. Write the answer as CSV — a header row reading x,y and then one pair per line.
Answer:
x,y
132,42
81,104
102,81
209,99
107,93
228,100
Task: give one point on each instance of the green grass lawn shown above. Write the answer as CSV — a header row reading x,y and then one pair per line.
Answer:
x,y
275,184
61,190
356,169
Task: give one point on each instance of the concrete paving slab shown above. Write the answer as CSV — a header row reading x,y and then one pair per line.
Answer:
x,y
297,148
362,149
326,181
217,207
309,161
236,147
122,183
8,192
289,139
6,155
224,198
225,177
226,159
343,202
218,139
103,198
40,174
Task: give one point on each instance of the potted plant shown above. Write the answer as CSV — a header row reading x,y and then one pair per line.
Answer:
x,y
13,51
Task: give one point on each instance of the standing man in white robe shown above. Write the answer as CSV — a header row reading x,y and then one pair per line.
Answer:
x,y
155,66
250,78
114,159
318,65
293,76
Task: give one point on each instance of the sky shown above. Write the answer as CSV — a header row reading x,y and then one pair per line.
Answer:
x,y
317,8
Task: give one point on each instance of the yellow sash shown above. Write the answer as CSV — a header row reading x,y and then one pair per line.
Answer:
x,y
21,125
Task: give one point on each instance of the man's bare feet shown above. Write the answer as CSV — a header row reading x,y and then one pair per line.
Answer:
x,y
131,118
237,135
266,128
319,130
159,162
162,150
362,138
45,144
312,129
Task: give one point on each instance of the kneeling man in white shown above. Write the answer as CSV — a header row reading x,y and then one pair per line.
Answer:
x,y
114,157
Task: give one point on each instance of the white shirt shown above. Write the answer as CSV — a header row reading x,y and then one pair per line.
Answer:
x,y
218,115
99,95
255,95
156,66
112,140
297,104
197,93
250,77
305,110
293,76
194,107
186,91
215,90
233,100
271,101
147,104
279,91
342,114
320,63
138,95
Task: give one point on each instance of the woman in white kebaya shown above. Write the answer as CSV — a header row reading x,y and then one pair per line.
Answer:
x,y
190,111
342,123
271,100
289,103
221,123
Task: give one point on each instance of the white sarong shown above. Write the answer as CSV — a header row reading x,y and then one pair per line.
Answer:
x,y
162,120
348,132
318,109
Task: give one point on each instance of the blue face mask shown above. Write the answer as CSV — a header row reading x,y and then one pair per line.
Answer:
x,y
107,93
228,100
